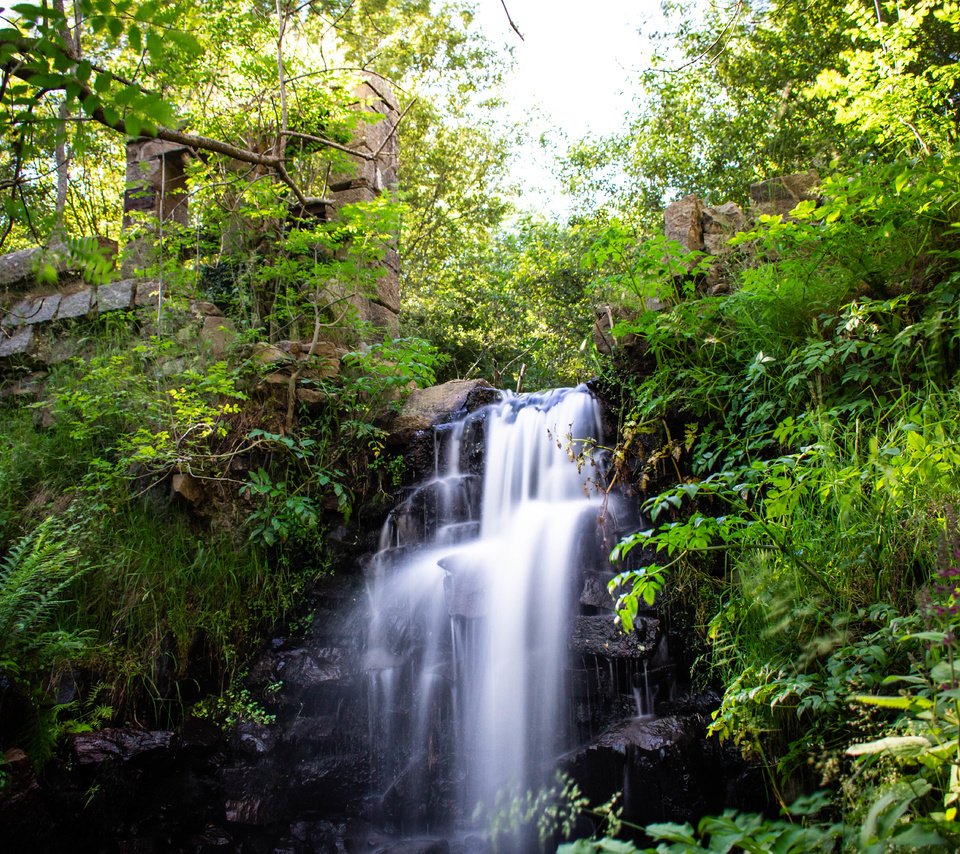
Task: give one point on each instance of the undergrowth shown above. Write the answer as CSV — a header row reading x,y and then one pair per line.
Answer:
x,y
124,602
808,418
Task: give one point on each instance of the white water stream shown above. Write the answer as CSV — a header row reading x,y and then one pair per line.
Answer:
x,y
472,595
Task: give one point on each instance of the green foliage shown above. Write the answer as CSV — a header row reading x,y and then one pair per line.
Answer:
x,y
740,92
521,299
548,811
732,831
126,415
35,575
830,314
810,417
898,81
723,104
281,513
167,603
235,705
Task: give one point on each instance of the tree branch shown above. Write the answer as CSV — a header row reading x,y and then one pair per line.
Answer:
x,y
730,25
512,24
329,143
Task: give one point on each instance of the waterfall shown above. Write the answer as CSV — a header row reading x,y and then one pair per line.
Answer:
x,y
472,599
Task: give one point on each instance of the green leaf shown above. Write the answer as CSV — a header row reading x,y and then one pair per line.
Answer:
x,y
111,116
901,745
187,42
155,46
47,273
102,82
882,702
90,104
681,833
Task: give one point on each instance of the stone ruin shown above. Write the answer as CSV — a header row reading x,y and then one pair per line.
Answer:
x,y
699,227
708,228
156,195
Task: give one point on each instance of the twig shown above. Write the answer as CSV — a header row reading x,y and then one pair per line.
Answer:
x,y
331,144
513,26
732,23
393,130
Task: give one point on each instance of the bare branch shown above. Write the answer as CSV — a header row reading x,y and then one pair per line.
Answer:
x,y
512,24
394,129
720,38
331,144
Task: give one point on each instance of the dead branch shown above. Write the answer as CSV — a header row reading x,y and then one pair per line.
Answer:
x,y
513,26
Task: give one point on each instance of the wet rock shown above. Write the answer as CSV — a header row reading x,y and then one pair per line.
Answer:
x,y
201,733
338,781
651,735
248,810
302,667
594,592
312,730
123,745
211,839
321,836
417,846
253,739
428,407
666,768
599,635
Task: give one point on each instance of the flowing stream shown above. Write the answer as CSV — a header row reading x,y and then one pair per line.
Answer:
x,y
473,594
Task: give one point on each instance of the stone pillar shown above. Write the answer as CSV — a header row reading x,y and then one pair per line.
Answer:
x,y
370,176
156,186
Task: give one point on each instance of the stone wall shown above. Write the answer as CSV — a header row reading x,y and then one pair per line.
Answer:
x,y
156,195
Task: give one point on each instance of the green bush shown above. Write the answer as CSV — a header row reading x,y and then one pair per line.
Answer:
x,y
811,419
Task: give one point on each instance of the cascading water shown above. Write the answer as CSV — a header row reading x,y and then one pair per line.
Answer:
x,y
472,599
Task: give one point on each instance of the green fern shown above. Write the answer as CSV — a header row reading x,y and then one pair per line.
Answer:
x,y
34,575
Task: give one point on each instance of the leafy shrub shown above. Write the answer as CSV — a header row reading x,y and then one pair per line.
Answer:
x,y
810,418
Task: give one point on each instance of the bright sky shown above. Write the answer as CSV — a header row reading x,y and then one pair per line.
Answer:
x,y
575,70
